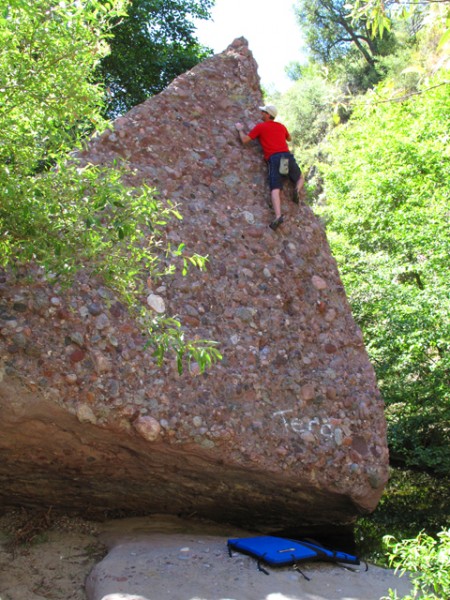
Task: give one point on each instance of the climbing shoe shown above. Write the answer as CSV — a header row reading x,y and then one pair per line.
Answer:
x,y
275,224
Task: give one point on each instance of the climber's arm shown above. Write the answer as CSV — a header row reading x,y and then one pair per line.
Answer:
x,y
244,138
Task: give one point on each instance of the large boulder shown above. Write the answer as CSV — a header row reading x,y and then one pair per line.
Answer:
x,y
287,429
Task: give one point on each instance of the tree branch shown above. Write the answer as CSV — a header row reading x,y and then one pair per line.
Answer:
x,y
406,96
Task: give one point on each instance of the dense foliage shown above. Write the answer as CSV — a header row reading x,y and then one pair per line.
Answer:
x,y
336,38
387,190
151,46
427,560
48,104
53,212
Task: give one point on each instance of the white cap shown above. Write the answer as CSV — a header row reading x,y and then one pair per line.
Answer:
x,y
269,109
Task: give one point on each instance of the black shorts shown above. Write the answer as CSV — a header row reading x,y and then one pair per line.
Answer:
x,y
275,179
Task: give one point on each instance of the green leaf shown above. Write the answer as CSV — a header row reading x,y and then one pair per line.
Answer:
x,y
54,212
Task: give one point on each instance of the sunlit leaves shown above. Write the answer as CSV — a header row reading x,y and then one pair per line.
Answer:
x,y
47,104
388,194
152,46
426,560
167,337
53,212
374,13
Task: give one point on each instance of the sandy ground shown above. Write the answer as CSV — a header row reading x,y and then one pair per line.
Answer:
x,y
158,558
45,558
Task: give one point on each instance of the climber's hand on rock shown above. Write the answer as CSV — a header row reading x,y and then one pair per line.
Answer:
x,y
239,126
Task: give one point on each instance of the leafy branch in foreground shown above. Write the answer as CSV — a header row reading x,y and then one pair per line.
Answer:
x,y
167,336
54,213
379,15
375,14
427,560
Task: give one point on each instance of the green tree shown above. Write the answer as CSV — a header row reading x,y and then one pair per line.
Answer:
x,y
387,191
334,36
426,560
151,46
53,213
379,14
331,31
309,105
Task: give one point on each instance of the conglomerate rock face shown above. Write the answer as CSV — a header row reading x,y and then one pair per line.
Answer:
x,y
287,429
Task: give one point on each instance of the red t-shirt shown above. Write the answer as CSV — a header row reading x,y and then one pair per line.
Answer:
x,y
272,137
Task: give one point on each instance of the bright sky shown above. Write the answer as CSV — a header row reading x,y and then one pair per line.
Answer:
x,y
270,28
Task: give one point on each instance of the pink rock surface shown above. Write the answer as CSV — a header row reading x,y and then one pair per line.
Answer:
x,y
289,428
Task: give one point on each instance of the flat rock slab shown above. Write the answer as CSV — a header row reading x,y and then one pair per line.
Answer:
x,y
148,562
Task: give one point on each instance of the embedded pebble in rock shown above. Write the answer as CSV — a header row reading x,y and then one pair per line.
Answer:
x,y
102,321
148,428
101,363
94,309
319,283
307,392
85,414
77,338
156,303
248,216
288,428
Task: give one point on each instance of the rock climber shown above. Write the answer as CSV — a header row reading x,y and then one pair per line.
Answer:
x,y
273,137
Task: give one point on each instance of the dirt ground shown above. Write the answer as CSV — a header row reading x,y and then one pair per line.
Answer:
x,y
43,557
